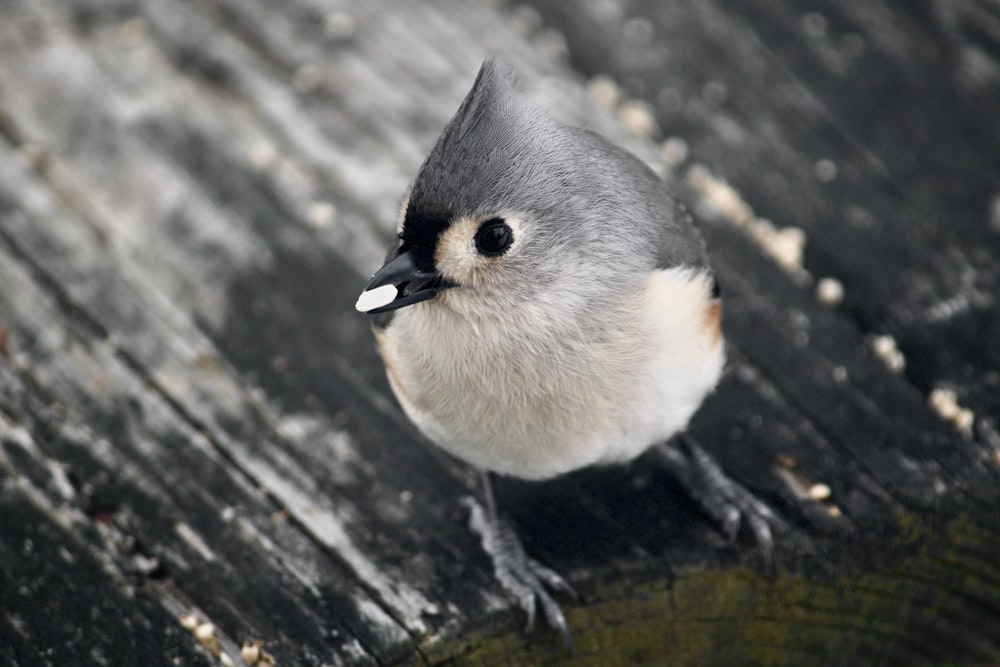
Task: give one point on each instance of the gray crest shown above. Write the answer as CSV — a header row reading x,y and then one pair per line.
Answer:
x,y
478,161
499,152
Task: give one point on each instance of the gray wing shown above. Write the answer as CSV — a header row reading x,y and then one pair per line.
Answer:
x,y
674,236
680,242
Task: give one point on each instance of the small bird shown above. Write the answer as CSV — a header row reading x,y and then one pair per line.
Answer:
x,y
548,305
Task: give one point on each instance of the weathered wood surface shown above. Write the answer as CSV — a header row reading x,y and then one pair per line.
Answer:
x,y
193,420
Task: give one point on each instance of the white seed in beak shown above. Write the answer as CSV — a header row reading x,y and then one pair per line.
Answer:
x,y
376,298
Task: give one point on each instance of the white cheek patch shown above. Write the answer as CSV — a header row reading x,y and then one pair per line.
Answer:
x,y
456,256
376,298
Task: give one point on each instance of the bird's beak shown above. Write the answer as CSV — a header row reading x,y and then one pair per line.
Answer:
x,y
399,283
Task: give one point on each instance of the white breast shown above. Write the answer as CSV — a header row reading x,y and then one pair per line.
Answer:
x,y
532,396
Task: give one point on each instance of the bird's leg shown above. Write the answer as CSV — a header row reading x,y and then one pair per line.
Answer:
x,y
520,575
723,498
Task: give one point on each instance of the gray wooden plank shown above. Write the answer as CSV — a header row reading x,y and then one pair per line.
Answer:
x,y
219,177
921,77
59,604
166,498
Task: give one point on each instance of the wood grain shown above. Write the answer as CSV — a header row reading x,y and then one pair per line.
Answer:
x,y
194,423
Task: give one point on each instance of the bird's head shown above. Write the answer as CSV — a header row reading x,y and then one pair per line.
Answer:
x,y
509,205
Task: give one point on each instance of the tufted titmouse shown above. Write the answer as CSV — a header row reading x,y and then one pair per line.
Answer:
x,y
548,306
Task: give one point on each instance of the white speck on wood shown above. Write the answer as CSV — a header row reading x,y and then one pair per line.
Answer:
x,y
792,481
263,155
194,540
830,292
604,91
720,195
321,214
945,403
886,350
674,151
819,492
249,652
785,245
637,117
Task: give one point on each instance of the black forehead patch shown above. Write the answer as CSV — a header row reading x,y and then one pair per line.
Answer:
x,y
420,233
423,228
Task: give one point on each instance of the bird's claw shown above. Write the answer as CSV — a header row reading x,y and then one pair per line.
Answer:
x,y
724,499
524,578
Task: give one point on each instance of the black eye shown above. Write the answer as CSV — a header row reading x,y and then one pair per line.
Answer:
x,y
493,237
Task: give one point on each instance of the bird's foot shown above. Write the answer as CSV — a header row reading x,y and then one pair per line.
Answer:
x,y
722,498
521,576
